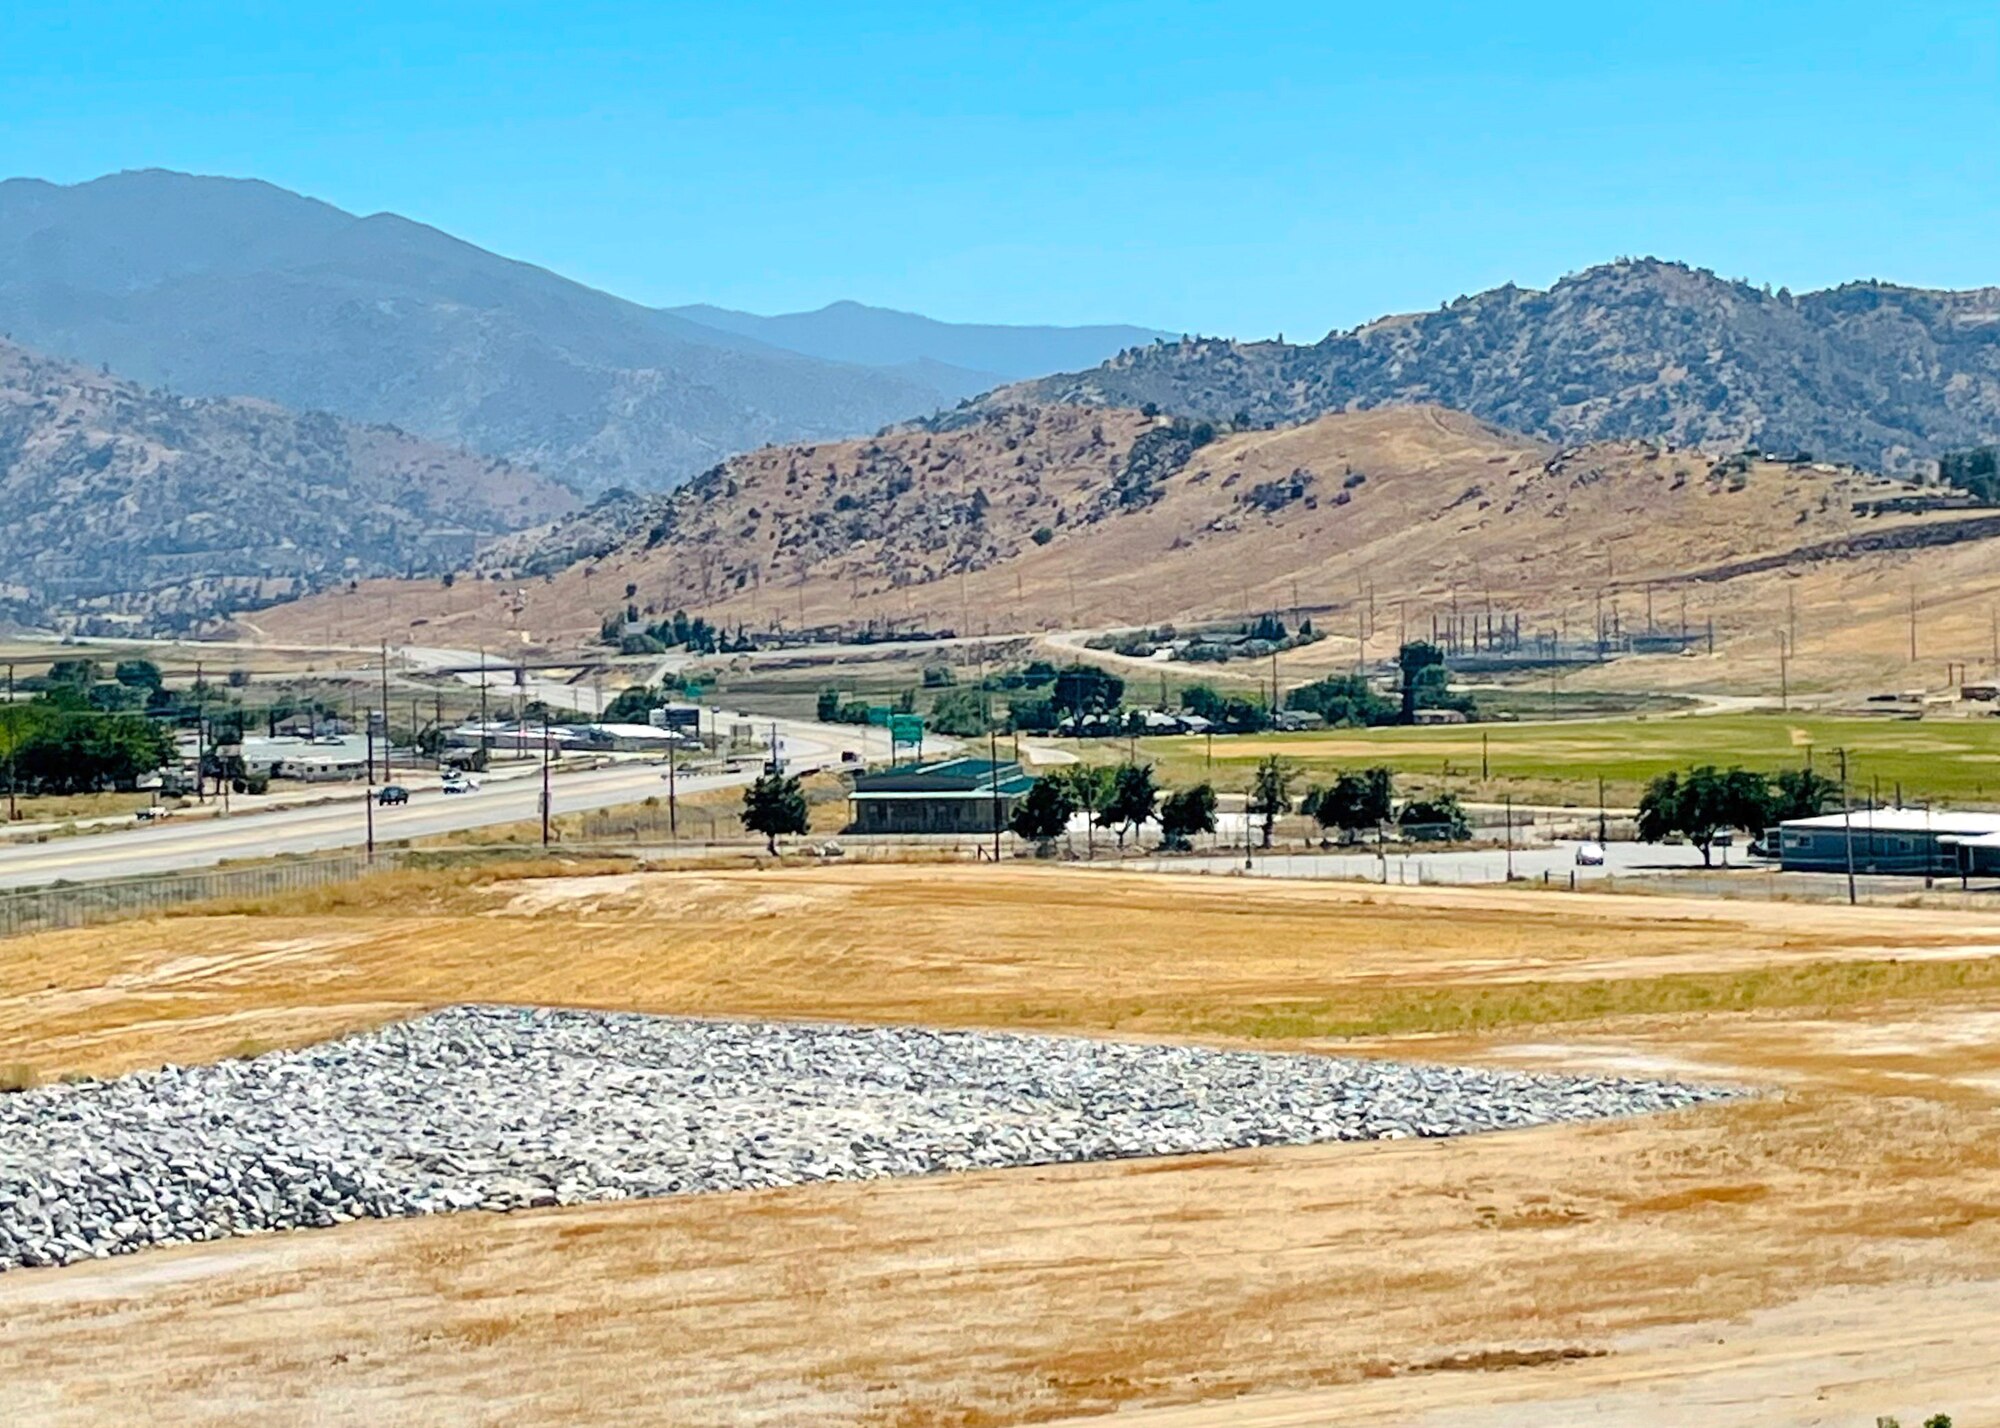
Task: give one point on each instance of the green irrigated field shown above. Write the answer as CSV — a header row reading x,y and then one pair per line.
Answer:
x,y
1943,760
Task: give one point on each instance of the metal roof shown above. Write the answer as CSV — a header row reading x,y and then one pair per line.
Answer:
x,y
1901,820
946,778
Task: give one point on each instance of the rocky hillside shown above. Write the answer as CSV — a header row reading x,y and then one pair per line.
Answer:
x,y
125,504
1880,376
1070,517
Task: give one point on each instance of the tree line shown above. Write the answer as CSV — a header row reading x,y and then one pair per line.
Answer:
x,y
80,733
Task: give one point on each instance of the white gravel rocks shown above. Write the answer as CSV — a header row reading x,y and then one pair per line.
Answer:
x,y
498,1108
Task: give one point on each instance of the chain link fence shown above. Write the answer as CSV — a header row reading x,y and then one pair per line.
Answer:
x,y
62,905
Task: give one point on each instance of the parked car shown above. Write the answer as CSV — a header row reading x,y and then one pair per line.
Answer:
x,y
392,793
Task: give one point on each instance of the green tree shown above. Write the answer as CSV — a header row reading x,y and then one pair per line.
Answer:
x,y
138,674
960,711
1090,785
1233,713
1702,804
78,674
1186,813
1271,792
1044,814
1415,660
1343,699
55,750
1440,817
633,704
775,806
1032,714
1133,794
114,698
1801,793
1082,690
1353,802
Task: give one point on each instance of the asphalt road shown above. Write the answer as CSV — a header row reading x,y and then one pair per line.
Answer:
x,y
171,846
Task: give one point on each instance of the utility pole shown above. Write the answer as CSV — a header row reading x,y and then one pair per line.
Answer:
x,y
1846,824
200,741
993,757
368,798
1601,840
1784,677
545,777
1913,623
482,697
13,739
1510,837
673,792
385,711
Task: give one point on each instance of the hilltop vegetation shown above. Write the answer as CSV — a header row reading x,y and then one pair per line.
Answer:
x,y
1869,373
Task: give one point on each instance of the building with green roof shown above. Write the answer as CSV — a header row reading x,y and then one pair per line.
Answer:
x,y
942,796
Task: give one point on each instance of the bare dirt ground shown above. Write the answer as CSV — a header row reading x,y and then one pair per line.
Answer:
x,y
1820,1254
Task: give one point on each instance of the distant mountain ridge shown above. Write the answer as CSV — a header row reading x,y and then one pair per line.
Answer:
x,y
126,504
235,287
971,357
1882,376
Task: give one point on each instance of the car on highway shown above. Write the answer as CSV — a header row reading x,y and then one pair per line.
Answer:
x,y
460,784
392,793
1590,855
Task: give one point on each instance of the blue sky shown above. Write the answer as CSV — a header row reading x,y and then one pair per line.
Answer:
x,y
1210,167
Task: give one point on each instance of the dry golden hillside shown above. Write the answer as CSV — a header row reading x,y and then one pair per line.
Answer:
x,y
1062,517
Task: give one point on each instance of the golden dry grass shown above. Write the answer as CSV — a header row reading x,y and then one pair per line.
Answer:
x,y
992,1298
1058,948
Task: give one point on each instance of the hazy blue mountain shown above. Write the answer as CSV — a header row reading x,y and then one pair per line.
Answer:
x,y
125,503
234,287
972,356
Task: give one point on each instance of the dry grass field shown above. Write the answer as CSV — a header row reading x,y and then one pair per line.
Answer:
x,y
1819,1254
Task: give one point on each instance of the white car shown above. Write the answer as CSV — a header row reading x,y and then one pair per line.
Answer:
x,y
459,785
1590,855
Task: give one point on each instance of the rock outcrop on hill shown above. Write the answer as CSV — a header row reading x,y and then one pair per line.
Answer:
x,y
1869,373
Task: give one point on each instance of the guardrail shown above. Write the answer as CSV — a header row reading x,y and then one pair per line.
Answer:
x,y
61,905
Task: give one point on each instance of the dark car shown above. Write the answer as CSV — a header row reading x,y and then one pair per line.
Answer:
x,y
392,793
